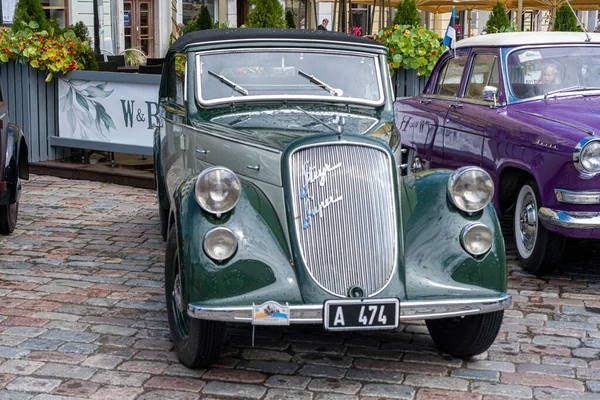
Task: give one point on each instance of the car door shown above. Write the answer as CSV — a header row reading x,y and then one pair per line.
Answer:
x,y
466,121
420,120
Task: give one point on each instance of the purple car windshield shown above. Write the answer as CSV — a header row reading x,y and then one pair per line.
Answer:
x,y
537,71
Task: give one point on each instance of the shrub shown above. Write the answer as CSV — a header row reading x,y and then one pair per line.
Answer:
x,y
407,13
266,14
498,21
81,31
289,19
411,47
201,22
565,20
31,10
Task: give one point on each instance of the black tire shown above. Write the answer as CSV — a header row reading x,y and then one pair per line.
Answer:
x,y
8,218
539,250
467,336
163,215
197,342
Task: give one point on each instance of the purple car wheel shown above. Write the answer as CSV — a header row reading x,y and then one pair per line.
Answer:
x,y
539,250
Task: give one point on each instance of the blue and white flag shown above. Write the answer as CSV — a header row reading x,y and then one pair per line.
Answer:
x,y
450,37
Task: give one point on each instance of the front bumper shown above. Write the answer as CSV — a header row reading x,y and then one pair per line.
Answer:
x,y
409,310
570,219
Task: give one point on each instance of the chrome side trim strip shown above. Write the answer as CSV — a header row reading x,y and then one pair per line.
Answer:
x,y
409,310
577,197
570,219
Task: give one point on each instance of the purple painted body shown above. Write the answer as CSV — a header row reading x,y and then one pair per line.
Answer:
x,y
535,136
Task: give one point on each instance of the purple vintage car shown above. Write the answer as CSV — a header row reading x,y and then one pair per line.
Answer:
x,y
526,108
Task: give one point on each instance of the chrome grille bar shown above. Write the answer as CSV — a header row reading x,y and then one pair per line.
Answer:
x,y
351,240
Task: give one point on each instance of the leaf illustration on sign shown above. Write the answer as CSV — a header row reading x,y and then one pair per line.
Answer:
x,y
81,108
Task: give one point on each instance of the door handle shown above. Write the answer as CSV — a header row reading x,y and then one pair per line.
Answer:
x,y
425,101
254,167
201,151
456,106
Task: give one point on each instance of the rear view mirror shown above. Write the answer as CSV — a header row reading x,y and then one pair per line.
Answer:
x,y
490,93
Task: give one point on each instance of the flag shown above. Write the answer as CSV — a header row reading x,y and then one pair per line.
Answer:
x,y
450,37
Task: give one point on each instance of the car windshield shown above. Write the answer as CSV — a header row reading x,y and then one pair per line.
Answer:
x,y
292,74
547,70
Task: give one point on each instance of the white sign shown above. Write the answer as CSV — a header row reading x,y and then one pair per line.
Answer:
x,y
8,11
110,112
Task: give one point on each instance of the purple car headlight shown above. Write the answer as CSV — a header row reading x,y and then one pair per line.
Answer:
x,y
587,156
470,189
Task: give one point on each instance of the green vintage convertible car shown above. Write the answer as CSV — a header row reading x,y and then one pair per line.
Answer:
x,y
278,171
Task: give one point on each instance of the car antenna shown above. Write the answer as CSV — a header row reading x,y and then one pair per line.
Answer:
x,y
588,38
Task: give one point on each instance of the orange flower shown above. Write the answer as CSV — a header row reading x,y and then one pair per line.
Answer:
x,y
388,33
433,53
420,31
381,40
406,33
391,50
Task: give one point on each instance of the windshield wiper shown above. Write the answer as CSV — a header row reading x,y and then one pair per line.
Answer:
x,y
571,89
320,121
229,83
332,91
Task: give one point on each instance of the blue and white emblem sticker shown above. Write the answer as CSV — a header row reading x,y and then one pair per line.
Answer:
x,y
270,313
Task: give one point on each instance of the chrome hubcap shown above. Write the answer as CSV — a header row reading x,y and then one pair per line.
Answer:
x,y
177,293
528,222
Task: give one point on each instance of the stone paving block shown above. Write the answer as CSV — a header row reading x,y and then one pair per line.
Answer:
x,y
9,395
120,378
70,336
31,384
281,394
79,348
117,392
568,362
234,390
113,330
431,394
334,386
172,383
436,382
10,352
66,371
26,331
180,370
511,391
388,391
322,371
41,344
11,341
374,376
103,361
270,367
20,367
546,393
150,367
168,394
76,388
234,375
287,382
265,355
335,396
476,374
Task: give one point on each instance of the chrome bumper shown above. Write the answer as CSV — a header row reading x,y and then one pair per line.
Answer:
x,y
409,310
570,219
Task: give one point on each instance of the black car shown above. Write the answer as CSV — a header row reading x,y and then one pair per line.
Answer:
x,y
13,167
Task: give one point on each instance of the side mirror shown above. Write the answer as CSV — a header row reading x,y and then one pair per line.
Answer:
x,y
490,93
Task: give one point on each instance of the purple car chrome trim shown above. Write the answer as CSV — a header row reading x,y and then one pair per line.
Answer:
x,y
578,197
570,219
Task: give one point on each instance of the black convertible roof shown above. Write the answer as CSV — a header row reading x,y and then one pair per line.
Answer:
x,y
215,35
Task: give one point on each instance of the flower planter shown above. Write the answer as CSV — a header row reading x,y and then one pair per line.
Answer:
x,y
407,83
33,107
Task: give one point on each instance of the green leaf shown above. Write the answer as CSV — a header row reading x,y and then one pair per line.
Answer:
x,y
397,58
78,82
82,101
4,57
93,92
33,25
106,119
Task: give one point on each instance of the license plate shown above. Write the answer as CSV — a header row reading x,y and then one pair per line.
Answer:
x,y
351,315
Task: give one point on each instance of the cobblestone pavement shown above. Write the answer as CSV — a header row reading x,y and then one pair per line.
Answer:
x,y
82,315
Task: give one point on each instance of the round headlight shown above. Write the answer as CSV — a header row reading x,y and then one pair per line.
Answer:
x,y
470,189
220,243
590,156
476,239
218,190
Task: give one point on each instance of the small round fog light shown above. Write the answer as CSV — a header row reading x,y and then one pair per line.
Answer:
x,y
220,243
476,238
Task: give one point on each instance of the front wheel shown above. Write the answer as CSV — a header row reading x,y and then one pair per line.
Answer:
x,y
539,250
8,218
197,342
467,336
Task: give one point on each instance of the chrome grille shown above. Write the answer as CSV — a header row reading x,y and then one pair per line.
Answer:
x,y
352,241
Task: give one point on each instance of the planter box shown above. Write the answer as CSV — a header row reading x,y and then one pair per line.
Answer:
x,y
33,107
407,83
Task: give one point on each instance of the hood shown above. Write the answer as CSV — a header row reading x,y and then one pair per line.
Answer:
x,y
561,115
278,127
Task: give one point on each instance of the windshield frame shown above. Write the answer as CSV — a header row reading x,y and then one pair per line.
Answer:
x,y
279,97
511,98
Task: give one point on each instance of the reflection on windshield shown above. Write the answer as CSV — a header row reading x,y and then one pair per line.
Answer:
x,y
542,71
284,73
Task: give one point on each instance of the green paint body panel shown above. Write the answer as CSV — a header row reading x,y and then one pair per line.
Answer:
x,y
432,263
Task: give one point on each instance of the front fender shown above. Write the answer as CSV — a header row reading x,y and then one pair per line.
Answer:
x,y
437,266
261,268
16,161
